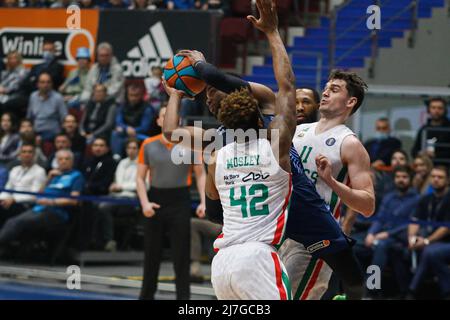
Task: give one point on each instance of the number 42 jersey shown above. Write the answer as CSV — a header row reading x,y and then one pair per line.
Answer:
x,y
254,191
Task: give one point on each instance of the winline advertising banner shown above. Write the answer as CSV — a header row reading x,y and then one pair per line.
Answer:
x,y
26,30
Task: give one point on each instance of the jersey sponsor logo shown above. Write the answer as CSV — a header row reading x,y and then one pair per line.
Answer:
x,y
256,176
330,142
318,245
246,161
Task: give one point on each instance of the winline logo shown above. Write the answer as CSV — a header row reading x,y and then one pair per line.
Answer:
x,y
29,42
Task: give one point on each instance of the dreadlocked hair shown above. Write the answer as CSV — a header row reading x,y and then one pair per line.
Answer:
x,y
239,110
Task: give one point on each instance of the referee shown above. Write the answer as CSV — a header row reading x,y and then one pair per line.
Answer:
x,y
167,207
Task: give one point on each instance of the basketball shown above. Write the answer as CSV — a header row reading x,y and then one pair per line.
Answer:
x,y
180,75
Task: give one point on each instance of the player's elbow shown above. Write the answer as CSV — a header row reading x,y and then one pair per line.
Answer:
x,y
369,208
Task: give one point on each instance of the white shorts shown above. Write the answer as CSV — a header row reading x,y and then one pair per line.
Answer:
x,y
309,276
250,271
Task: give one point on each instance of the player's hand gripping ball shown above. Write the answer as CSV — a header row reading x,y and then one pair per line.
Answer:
x,y
180,74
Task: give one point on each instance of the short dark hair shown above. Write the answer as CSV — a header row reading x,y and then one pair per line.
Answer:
x,y
403,152
355,85
405,169
438,99
28,144
62,134
239,110
442,168
132,140
385,119
316,95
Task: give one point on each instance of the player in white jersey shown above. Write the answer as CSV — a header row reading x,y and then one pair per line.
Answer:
x,y
332,157
253,185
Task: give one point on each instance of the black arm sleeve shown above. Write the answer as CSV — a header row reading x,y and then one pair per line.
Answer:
x,y
214,210
219,79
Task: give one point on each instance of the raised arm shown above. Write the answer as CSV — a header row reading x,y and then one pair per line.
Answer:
x,y
285,119
188,136
228,83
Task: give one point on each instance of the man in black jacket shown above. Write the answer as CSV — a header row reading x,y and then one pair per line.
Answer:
x,y
49,65
382,147
98,171
437,112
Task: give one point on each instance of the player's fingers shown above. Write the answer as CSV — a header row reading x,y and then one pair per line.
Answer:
x,y
156,206
252,19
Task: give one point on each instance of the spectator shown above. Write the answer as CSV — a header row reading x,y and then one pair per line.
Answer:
x,y
382,147
98,118
124,186
9,139
34,4
27,136
133,120
200,226
29,177
179,4
170,189
155,90
72,88
49,214
142,5
87,4
432,243
70,128
10,79
106,71
10,4
51,66
115,4
437,112
98,171
422,166
58,4
389,228
62,142
46,109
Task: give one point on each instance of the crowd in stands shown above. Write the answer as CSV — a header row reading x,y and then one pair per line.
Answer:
x,y
121,4
410,256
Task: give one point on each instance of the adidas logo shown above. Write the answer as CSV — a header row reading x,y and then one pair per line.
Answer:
x,y
153,49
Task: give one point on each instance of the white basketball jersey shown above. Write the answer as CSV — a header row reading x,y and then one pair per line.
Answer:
x,y
254,191
309,145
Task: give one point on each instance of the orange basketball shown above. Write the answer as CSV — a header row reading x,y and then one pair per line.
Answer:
x,y
180,75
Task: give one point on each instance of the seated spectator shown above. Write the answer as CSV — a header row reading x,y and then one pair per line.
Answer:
x,y
133,120
430,242
62,142
34,4
180,4
124,186
389,227
106,71
72,88
9,139
99,168
10,4
142,5
155,89
437,112
10,79
29,177
46,109
58,4
50,66
98,117
70,128
114,4
87,4
49,214
422,166
27,136
382,147
98,171
200,227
